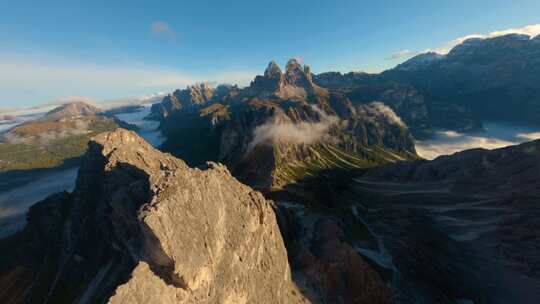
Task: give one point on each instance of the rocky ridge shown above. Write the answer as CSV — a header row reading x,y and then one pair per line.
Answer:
x,y
142,226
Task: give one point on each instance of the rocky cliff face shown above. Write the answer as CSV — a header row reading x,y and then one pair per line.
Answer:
x,y
141,226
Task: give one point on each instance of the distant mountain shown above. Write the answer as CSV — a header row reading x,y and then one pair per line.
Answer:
x,y
72,109
492,79
280,128
54,138
197,94
295,83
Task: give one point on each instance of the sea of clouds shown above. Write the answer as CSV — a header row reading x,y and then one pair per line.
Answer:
x,y
496,135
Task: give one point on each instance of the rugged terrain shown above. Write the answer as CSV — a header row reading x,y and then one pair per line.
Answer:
x,y
141,226
280,129
459,228
361,218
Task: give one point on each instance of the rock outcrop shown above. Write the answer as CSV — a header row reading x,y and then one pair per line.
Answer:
x,y
143,227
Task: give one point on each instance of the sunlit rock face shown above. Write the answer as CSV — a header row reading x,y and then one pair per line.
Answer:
x,y
141,226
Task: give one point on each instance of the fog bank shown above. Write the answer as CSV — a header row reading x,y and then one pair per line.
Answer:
x,y
497,135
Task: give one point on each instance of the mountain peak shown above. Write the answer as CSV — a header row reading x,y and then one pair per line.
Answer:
x,y
272,69
296,82
293,64
72,109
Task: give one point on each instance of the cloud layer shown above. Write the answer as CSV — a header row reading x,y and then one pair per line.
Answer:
x,y
497,136
377,108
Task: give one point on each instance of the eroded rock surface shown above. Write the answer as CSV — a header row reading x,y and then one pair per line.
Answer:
x,y
143,227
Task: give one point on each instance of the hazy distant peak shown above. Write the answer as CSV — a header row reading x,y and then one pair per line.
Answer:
x,y
73,109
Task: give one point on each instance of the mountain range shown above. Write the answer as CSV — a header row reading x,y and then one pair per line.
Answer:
x,y
299,188
491,79
280,128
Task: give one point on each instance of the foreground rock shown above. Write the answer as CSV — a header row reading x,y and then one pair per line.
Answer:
x,y
143,227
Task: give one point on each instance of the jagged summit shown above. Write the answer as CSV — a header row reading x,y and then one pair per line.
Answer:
x,y
272,69
295,83
193,95
293,64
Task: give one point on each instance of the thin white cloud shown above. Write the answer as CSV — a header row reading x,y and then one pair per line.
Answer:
x,y
402,54
26,82
295,133
161,29
496,136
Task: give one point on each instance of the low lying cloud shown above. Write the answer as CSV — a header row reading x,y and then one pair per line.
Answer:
x,y
299,133
377,108
162,29
497,136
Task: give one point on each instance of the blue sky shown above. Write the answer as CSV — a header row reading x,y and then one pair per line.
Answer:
x,y
113,49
